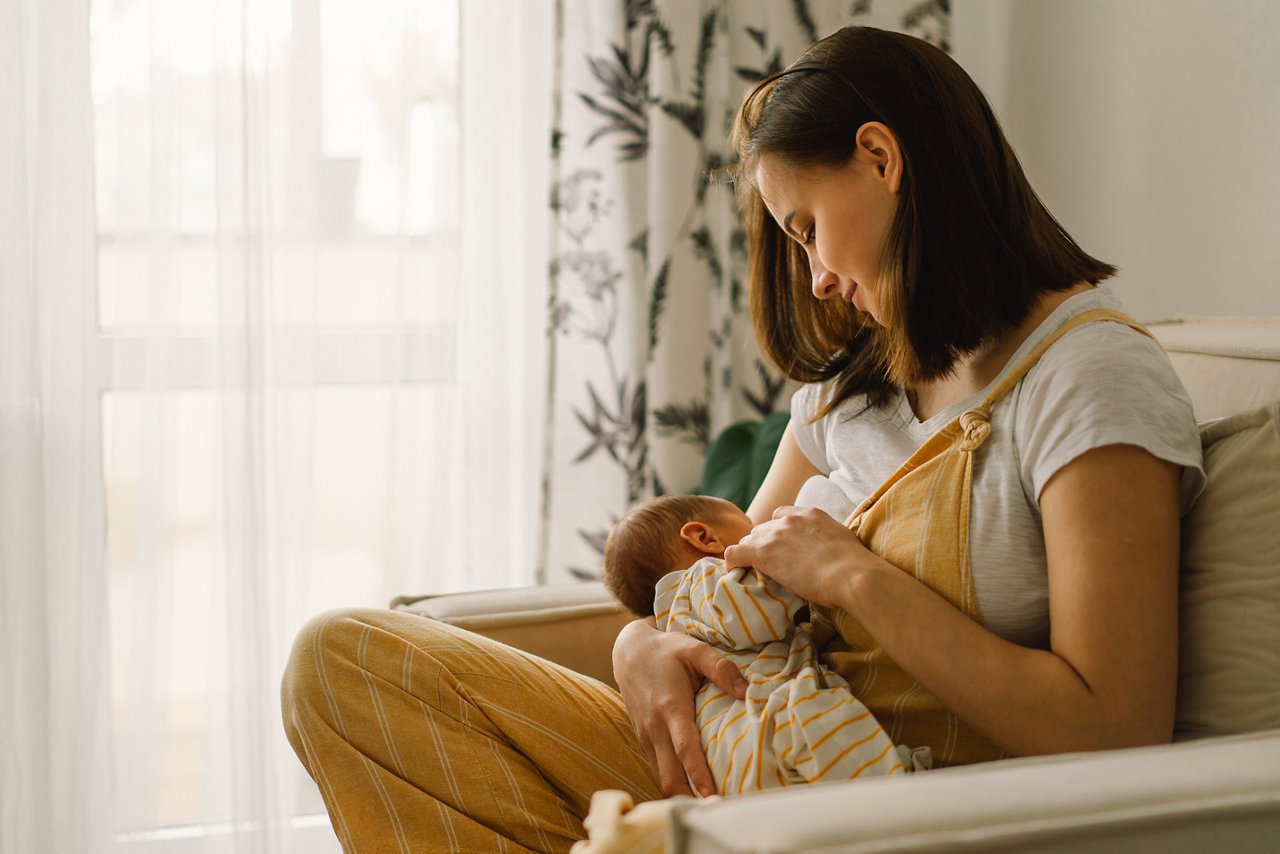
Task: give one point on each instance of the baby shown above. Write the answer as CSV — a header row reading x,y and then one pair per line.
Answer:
x,y
799,723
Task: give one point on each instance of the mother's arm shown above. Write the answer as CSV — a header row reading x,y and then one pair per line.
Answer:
x,y
787,473
1108,679
660,672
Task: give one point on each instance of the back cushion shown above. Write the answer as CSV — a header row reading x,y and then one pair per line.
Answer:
x,y
1229,657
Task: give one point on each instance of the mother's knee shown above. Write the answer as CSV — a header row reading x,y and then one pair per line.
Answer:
x,y
323,650
330,648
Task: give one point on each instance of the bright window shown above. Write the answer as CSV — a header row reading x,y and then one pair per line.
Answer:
x,y
278,210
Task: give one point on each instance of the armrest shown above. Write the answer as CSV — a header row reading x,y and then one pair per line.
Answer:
x,y
571,624
1219,794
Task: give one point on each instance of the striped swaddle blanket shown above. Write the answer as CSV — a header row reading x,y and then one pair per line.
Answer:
x,y
799,722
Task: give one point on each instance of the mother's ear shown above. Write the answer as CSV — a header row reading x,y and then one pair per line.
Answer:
x,y
877,145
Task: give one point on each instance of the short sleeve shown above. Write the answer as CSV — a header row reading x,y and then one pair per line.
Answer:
x,y
1105,384
810,435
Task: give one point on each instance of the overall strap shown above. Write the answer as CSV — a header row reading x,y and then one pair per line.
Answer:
x,y
1015,376
970,428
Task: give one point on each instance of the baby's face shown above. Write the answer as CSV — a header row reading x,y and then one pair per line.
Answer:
x,y
730,524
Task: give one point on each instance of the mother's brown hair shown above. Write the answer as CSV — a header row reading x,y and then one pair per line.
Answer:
x,y
971,247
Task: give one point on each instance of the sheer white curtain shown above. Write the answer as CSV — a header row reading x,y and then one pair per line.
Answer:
x,y
298,368
507,50
54,706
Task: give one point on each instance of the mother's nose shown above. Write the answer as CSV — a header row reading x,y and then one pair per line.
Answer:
x,y
825,282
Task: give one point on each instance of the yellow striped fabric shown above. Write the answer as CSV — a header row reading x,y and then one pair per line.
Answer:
x,y
918,520
426,738
799,722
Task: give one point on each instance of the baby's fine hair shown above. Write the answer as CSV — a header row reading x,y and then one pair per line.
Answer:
x,y
644,545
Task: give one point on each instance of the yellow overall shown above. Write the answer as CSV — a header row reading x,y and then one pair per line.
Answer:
x,y
918,520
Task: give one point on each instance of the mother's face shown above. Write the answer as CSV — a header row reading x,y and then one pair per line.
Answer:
x,y
840,215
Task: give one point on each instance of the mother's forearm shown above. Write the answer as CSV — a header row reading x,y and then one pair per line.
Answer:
x,y
1026,701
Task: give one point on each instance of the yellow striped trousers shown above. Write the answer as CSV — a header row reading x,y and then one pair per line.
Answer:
x,y
423,737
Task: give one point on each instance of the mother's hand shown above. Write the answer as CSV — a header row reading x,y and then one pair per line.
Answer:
x,y
659,674
804,550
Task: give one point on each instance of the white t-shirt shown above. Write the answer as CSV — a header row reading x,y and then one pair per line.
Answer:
x,y
1100,384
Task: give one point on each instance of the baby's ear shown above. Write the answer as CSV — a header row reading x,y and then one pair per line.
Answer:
x,y
702,537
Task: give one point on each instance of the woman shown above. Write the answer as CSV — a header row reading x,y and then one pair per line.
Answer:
x,y
875,159
1009,589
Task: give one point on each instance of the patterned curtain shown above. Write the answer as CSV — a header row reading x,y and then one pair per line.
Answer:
x,y
651,348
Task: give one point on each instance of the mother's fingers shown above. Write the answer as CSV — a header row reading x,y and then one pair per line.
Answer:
x,y
786,510
687,743
668,766
750,549
716,667
673,744
745,553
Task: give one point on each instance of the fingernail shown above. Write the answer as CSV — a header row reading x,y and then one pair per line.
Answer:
x,y
740,686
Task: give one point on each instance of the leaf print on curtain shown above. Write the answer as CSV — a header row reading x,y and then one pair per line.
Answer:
x,y
652,351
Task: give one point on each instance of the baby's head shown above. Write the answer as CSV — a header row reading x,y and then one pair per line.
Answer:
x,y
663,535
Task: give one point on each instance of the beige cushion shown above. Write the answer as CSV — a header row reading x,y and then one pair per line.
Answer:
x,y
1229,668
1228,364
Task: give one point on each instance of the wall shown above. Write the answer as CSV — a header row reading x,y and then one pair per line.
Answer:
x,y
1151,129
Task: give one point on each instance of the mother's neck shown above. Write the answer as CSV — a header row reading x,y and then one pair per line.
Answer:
x,y
991,359
977,369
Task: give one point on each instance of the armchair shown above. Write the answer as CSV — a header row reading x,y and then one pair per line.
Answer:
x,y
1217,787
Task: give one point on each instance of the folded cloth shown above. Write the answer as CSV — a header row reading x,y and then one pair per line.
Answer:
x,y
616,825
